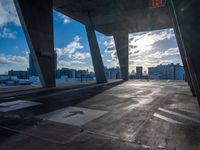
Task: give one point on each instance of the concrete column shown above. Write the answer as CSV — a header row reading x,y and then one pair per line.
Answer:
x,y
187,13
95,54
37,21
188,70
191,79
122,45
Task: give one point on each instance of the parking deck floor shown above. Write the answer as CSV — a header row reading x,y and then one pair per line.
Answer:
x,y
124,116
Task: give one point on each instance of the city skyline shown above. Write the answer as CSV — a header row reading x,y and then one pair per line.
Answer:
x,y
145,48
131,72
159,72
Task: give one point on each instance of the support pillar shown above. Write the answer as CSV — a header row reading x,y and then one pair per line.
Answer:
x,y
95,54
122,45
187,13
188,69
37,21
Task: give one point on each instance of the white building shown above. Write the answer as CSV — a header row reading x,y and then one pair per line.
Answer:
x,y
180,73
167,72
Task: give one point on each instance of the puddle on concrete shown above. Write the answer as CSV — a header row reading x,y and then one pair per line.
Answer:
x,y
138,98
141,102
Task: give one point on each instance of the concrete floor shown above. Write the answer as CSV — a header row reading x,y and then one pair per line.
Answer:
x,y
140,115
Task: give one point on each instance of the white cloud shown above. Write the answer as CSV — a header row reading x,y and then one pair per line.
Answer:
x,y
13,59
8,13
72,54
109,45
71,64
147,49
110,53
6,33
171,52
80,56
70,48
77,62
59,52
65,19
63,64
73,46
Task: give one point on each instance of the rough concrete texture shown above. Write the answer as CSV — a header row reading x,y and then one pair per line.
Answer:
x,y
141,115
122,47
110,16
36,18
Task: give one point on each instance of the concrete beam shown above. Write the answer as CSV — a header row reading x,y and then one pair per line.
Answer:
x,y
183,53
109,16
148,15
187,13
122,45
95,54
37,21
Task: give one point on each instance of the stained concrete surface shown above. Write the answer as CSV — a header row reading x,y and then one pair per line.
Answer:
x,y
15,105
130,121
76,116
12,92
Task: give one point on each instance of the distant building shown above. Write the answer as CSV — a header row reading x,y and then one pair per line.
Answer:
x,y
19,74
113,73
4,78
154,73
81,73
32,68
139,71
139,74
167,72
70,73
179,73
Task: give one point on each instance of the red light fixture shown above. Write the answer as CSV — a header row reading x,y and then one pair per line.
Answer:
x,y
157,3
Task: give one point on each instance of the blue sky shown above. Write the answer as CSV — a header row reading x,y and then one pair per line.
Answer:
x,y
145,49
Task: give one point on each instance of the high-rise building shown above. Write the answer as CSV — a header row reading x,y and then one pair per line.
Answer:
x,y
179,73
19,74
153,73
139,72
167,72
32,70
70,73
113,73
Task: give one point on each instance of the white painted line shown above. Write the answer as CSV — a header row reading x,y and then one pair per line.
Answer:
x,y
191,111
9,97
15,105
73,115
179,115
166,119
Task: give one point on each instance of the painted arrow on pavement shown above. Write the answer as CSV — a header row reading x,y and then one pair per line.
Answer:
x,y
73,113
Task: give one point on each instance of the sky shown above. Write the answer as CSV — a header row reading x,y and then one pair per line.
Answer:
x,y
146,49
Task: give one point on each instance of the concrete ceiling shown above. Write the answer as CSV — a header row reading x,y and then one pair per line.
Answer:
x,y
110,16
